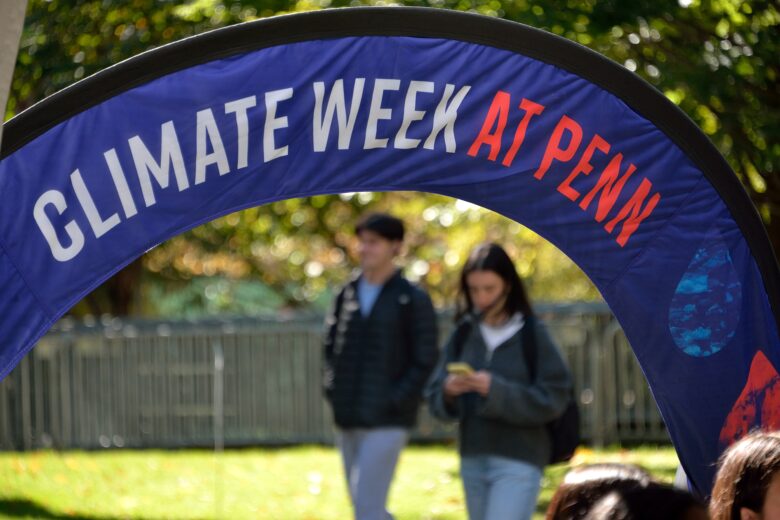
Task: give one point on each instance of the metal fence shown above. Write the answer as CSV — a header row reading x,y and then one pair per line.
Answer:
x,y
142,384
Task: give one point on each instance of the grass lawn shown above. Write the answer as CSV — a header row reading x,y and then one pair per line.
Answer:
x,y
302,483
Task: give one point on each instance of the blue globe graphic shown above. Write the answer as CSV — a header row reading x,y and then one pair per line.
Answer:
x,y
704,312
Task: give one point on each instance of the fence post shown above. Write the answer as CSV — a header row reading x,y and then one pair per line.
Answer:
x,y
595,362
219,425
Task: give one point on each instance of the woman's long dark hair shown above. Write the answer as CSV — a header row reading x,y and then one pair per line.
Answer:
x,y
492,257
745,471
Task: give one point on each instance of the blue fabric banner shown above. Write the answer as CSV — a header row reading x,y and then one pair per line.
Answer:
x,y
515,134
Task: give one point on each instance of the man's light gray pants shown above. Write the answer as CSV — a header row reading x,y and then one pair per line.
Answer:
x,y
370,457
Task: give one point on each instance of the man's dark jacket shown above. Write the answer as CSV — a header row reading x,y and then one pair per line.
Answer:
x,y
376,366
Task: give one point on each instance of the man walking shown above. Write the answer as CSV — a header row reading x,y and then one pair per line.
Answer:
x,y
380,348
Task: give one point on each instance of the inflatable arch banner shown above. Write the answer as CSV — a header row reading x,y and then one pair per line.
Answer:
x,y
511,118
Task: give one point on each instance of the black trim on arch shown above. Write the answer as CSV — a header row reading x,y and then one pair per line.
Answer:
x,y
426,23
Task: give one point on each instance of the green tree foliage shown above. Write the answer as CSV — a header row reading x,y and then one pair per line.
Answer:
x,y
717,60
302,248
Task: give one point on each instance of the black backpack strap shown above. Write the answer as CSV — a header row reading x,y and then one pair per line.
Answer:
x,y
530,352
407,316
339,303
461,334
336,316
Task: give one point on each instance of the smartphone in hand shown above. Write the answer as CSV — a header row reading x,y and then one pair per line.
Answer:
x,y
460,369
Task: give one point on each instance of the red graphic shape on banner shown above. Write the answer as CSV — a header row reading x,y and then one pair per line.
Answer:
x,y
758,405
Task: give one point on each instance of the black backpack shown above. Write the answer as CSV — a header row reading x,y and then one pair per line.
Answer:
x,y
565,430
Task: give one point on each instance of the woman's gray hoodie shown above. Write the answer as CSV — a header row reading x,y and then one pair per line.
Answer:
x,y
510,421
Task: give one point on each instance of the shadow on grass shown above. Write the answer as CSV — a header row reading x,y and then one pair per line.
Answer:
x,y
24,508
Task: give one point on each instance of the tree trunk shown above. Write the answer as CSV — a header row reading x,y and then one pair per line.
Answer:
x,y
11,23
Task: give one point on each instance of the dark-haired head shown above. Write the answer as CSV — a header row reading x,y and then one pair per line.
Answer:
x,y
746,472
491,258
655,501
583,486
384,225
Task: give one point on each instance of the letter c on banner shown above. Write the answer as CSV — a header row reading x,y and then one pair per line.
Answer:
x,y
59,251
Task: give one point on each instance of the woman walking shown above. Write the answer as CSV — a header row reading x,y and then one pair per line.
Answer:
x,y
483,381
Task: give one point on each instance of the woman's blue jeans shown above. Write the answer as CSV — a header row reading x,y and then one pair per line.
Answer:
x,y
499,488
